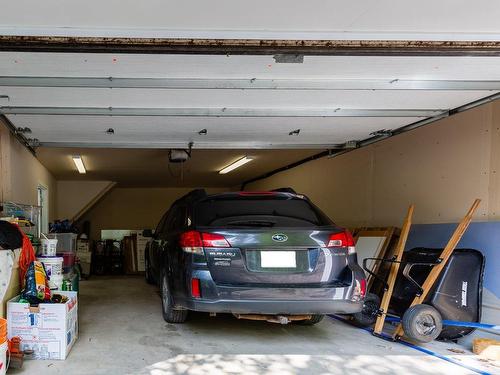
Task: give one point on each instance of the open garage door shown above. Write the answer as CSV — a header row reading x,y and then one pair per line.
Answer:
x,y
231,102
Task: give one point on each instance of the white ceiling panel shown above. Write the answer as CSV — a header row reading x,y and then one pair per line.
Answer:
x,y
278,19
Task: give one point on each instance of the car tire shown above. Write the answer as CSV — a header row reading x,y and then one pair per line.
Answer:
x,y
422,323
368,315
314,319
169,314
147,274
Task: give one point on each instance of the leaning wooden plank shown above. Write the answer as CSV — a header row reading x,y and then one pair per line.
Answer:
x,y
445,255
391,280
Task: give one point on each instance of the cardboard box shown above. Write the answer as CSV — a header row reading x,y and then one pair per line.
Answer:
x,y
85,257
82,246
141,250
50,329
84,254
129,255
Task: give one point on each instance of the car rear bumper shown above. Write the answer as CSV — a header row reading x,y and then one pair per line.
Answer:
x,y
285,307
269,299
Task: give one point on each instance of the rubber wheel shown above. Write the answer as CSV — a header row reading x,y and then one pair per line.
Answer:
x,y
315,319
147,274
169,314
422,323
368,315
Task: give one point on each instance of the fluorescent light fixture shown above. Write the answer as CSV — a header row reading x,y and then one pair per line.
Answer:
x,y
238,163
79,164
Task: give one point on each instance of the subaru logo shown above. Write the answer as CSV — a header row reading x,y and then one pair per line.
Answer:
x,y
279,237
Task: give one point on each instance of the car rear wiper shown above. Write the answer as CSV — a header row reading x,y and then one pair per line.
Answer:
x,y
252,223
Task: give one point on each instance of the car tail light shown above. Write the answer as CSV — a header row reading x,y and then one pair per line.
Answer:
x,y
362,288
195,288
194,241
342,239
191,242
359,290
214,240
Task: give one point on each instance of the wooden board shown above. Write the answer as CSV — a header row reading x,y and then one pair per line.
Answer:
x,y
393,273
445,256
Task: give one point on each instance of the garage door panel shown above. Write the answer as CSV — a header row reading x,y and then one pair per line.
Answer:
x,y
203,66
170,98
237,131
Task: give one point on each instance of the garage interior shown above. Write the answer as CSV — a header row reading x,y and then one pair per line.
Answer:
x,y
364,123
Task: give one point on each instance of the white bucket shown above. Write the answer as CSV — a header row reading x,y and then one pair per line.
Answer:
x,y
3,358
55,282
53,265
49,246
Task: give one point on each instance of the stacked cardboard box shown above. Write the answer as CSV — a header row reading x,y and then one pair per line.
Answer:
x,y
141,242
49,329
84,254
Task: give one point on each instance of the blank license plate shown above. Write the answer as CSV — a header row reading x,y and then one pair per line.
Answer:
x,y
278,259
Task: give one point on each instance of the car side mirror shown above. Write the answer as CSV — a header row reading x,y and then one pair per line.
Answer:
x,y
147,233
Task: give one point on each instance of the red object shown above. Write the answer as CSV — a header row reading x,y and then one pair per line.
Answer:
x,y
362,289
256,193
342,239
26,257
68,259
195,239
214,240
190,239
195,288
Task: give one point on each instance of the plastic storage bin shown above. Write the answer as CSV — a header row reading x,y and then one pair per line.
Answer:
x,y
66,242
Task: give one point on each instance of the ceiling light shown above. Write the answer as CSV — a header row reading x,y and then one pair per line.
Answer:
x,y
79,164
238,163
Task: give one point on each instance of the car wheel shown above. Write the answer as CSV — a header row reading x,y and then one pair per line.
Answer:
x,y
314,319
169,314
147,273
368,315
422,323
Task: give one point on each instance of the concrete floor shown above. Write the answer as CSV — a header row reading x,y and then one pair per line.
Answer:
x,y
122,332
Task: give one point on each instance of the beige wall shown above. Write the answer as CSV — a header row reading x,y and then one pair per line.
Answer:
x,y
132,208
74,196
440,167
21,173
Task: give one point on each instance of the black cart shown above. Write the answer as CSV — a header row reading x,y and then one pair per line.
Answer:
x,y
455,296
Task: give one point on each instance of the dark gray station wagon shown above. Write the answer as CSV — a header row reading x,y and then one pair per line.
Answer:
x,y
259,255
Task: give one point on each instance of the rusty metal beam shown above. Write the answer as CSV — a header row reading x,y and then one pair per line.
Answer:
x,y
249,46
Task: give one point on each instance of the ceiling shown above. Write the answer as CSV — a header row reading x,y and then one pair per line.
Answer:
x,y
277,19
279,109
150,167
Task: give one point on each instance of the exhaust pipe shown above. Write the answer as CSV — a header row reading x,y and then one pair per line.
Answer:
x,y
280,319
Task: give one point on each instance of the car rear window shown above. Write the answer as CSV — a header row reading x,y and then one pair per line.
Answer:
x,y
256,211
